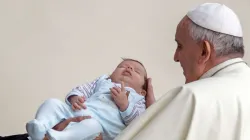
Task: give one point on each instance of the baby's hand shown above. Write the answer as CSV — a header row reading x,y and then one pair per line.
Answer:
x,y
77,102
120,96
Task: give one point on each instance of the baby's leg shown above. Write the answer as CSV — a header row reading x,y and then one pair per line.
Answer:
x,y
48,115
87,129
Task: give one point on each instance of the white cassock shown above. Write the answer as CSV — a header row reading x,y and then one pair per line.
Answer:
x,y
216,107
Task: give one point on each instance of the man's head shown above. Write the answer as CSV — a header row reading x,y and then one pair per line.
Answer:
x,y
206,38
133,74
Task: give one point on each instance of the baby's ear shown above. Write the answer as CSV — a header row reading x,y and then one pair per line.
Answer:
x,y
143,92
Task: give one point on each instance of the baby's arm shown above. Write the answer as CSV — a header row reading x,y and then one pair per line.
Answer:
x,y
129,110
85,90
133,111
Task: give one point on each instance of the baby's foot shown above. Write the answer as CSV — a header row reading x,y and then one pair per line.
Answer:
x,y
35,130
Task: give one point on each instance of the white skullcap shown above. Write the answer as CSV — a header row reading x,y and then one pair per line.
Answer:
x,y
216,17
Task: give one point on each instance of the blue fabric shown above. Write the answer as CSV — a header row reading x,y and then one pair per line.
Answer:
x,y
99,106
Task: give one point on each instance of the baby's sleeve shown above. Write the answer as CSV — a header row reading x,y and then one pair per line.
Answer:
x,y
133,111
85,90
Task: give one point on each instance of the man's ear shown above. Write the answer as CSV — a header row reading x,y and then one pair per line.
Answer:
x,y
143,92
205,52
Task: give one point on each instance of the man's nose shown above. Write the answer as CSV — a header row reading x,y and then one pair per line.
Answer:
x,y
176,58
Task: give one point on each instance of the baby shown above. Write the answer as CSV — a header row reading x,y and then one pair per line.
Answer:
x,y
111,101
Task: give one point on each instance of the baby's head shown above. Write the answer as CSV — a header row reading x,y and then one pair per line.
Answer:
x,y
133,74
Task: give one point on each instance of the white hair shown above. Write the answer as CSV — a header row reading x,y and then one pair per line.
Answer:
x,y
223,44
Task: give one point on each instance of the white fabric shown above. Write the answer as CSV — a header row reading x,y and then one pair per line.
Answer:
x,y
216,17
216,107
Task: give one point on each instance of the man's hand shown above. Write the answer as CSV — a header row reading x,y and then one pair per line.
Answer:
x,y
98,137
62,125
150,98
120,96
77,102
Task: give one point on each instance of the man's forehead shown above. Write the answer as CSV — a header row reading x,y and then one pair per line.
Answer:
x,y
182,30
179,29
178,36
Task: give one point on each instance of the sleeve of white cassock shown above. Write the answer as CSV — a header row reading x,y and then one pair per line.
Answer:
x,y
168,118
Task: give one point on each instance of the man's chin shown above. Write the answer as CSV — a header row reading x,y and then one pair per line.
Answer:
x,y
190,80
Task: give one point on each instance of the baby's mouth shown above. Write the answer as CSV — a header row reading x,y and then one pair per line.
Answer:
x,y
127,73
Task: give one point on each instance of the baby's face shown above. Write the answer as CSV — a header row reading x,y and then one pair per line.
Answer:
x,y
131,73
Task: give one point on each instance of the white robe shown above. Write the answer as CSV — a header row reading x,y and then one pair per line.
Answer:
x,y
216,107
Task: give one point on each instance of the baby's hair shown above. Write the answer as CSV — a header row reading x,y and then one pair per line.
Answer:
x,y
145,86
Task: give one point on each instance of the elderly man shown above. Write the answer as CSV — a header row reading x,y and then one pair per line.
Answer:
x,y
214,104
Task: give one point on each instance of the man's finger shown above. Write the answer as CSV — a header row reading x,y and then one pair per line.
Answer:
x,y
80,118
127,93
77,119
86,117
150,99
149,81
150,87
61,125
99,137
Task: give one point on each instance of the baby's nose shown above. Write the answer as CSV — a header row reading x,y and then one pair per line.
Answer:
x,y
129,67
